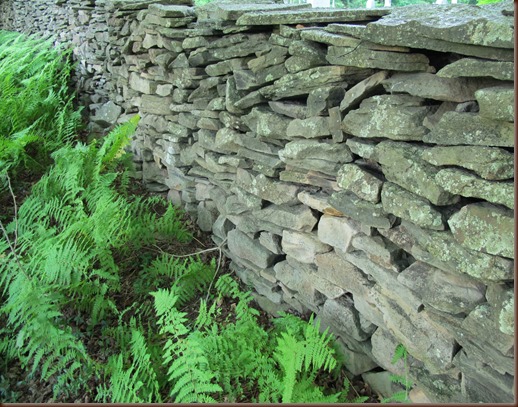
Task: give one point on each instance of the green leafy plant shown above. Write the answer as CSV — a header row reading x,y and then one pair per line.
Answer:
x,y
401,396
35,101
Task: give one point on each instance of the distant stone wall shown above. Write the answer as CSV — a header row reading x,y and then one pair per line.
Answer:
x,y
353,163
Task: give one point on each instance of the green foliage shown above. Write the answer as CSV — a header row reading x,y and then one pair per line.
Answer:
x,y
35,102
401,396
59,256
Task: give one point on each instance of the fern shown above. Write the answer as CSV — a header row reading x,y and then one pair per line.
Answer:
x,y
400,353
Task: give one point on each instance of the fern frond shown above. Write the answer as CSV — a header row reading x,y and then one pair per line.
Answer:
x,y
399,353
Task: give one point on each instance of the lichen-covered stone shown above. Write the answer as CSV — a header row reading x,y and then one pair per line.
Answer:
x,y
440,249
363,211
362,90
274,191
430,86
297,217
401,164
318,201
265,123
488,162
484,227
362,183
397,117
447,292
313,127
465,183
473,67
363,147
459,28
309,16
404,204
363,57
472,129
496,102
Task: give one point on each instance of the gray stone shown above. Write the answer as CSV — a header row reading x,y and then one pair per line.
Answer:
x,y
379,250
298,217
322,99
473,67
294,110
318,201
472,129
430,86
497,102
451,293
247,80
227,140
273,191
398,117
242,246
381,383
250,100
362,183
353,30
386,279
465,183
315,155
484,227
142,85
355,362
341,315
337,231
314,127
271,242
231,11
463,29
364,212
302,246
309,16
362,90
258,158
363,57
404,204
314,178
225,67
364,148
488,162
276,55
232,95
164,10
267,124
222,226
207,214
401,164
107,114
481,384
325,37
441,250
301,83
298,277
335,124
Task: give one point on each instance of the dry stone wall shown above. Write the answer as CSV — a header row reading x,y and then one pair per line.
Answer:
x,y
357,164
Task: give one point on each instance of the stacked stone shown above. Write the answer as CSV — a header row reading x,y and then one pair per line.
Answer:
x,y
357,164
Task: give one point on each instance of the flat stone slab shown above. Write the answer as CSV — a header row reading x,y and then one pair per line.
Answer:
x,y
474,67
312,15
164,10
496,102
430,86
242,246
441,249
301,83
484,227
467,184
362,90
297,217
364,212
337,231
303,246
401,164
232,11
490,163
266,188
363,57
472,129
318,201
361,182
451,293
397,117
406,205
459,28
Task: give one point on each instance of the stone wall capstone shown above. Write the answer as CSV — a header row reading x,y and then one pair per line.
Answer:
x,y
357,164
